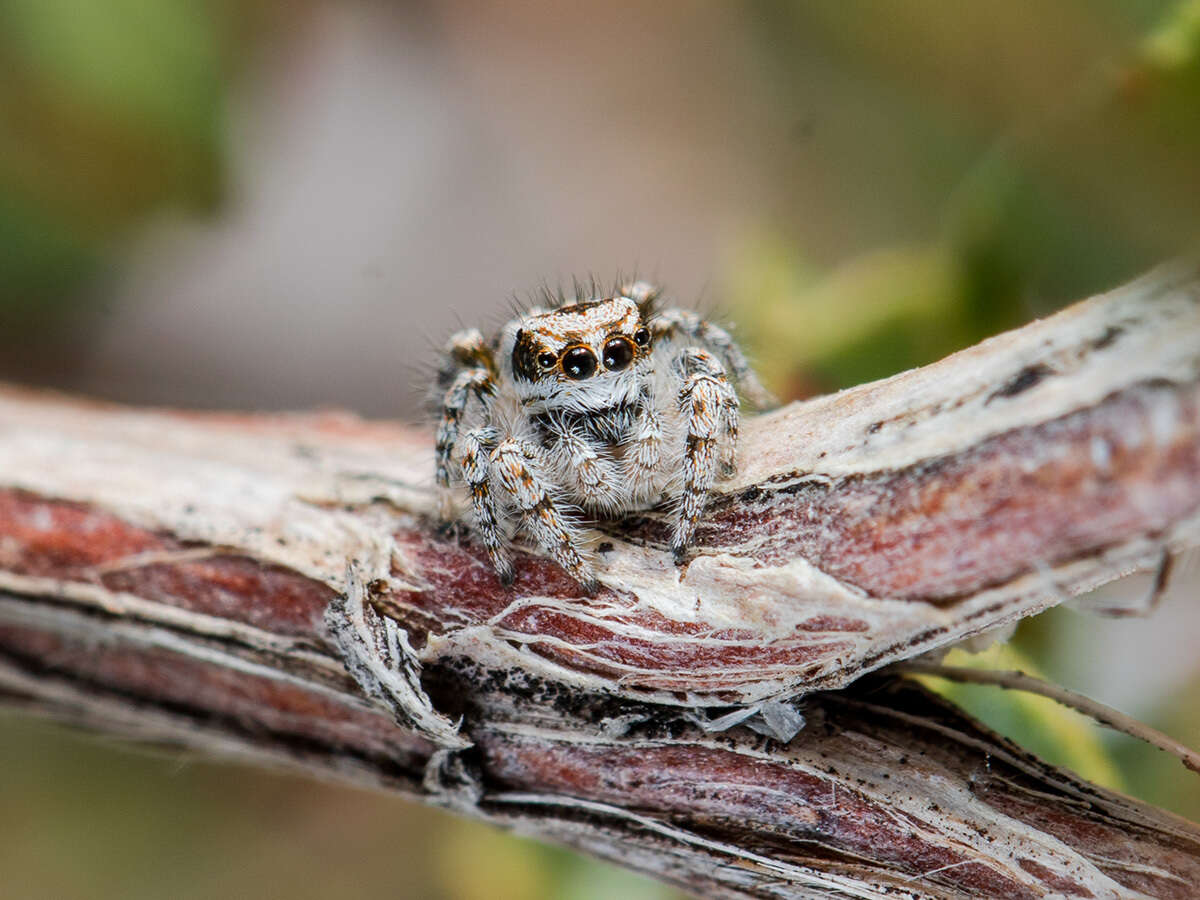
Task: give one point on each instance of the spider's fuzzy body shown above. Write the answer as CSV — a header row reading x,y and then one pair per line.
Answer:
x,y
589,409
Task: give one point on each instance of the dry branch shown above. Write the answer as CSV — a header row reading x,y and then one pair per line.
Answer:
x,y
169,576
1019,681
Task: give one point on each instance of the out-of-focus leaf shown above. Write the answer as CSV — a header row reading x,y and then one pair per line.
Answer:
x,y
1175,42
154,63
579,877
40,262
1061,166
110,109
109,112
478,862
1022,245
878,314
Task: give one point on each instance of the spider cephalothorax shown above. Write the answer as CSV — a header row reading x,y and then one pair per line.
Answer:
x,y
589,409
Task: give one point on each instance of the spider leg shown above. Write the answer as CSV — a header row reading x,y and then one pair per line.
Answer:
x,y
539,514
729,426
477,446
673,322
709,403
468,382
465,349
467,368
644,453
594,478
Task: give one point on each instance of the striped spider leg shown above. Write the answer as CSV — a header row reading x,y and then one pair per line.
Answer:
x,y
675,323
589,409
512,468
468,370
710,407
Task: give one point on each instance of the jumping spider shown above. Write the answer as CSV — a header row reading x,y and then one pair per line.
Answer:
x,y
589,409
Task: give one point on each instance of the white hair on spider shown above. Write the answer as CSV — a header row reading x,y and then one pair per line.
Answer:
x,y
589,407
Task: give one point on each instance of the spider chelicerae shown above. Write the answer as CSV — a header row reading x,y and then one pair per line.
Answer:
x,y
588,409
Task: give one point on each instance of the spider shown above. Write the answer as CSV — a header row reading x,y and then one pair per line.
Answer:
x,y
588,409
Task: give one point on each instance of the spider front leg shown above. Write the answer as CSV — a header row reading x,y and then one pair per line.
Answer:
x,y
644,454
593,477
710,404
510,462
477,446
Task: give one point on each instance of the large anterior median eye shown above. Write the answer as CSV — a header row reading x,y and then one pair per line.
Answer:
x,y
618,354
579,363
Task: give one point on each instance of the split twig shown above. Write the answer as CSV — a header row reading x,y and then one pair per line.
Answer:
x,y
1019,681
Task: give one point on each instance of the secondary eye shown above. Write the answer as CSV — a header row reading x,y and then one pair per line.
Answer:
x,y
547,360
642,336
618,354
579,363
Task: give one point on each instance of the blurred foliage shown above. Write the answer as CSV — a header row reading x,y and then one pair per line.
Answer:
x,y
1156,777
501,867
87,819
908,306
109,113
1038,154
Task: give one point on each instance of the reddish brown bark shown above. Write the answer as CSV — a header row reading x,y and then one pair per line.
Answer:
x,y
176,577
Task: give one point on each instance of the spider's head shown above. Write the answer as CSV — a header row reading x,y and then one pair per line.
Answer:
x,y
587,355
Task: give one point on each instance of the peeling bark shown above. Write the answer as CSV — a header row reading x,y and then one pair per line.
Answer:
x,y
211,579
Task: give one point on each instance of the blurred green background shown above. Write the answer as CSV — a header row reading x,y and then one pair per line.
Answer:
x,y
267,204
